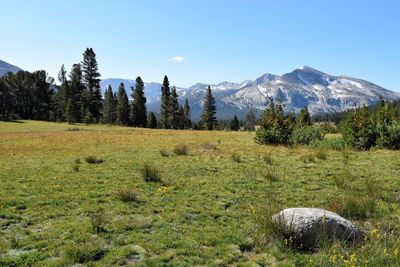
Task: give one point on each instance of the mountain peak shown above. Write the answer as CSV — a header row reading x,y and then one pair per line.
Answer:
x,y
7,67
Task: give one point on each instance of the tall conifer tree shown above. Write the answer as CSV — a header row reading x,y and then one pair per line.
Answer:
x,y
91,80
122,109
165,104
174,109
208,118
139,104
187,115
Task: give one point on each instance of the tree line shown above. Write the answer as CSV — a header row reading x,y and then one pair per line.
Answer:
x,y
78,99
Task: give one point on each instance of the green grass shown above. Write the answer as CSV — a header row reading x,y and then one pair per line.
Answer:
x,y
52,215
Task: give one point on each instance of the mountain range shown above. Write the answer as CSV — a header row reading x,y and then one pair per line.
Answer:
x,y
7,67
304,86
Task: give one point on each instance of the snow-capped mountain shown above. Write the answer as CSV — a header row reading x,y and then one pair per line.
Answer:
x,y
321,92
7,67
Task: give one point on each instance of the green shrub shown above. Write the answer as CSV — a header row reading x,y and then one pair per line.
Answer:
x,y
93,159
150,173
236,158
328,128
271,175
307,134
388,135
321,154
164,153
97,221
358,130
337,144
85,252
77,161
210,146
308,158
181,150
75,167
354,206
74,129
275,127
268,159
127,195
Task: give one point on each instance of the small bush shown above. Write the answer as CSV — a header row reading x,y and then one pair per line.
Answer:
x,y
210,146
308,158
236,158
127,195
321,154
305,135
181,150
97,221
85,252
150,173
268,159
271,175
77,161
337,144
74,129
75,167
93,160
355,206
164,153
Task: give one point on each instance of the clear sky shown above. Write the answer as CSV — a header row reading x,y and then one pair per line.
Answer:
x,y
206,40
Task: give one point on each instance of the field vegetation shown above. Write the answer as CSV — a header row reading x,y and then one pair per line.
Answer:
x,y
108,195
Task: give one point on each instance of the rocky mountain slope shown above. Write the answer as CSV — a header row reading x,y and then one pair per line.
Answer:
x,y
321,92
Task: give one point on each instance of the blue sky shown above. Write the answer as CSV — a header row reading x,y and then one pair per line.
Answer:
x,y
211,40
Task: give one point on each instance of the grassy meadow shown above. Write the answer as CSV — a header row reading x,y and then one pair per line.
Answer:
x,y
77,194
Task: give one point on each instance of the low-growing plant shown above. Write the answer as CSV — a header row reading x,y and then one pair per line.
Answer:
x,y
268,159
271,175
321,154
85,252
74,129
210,146
97,221
150,173
236,158
354,206
181,150
77,161
75,167
93,159
308,158
164,153
127,195
337,144
305,135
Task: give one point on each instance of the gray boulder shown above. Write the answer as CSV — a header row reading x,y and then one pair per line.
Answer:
x,y
308,226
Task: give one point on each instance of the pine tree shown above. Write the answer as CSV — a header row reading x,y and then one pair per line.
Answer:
x,y
181,118
274,126
208,118
122,109
109,106
69,112
139,104
250,122
304,118
187,115
174,109
60,98
234,125
152,120
75,92
165,102
91,80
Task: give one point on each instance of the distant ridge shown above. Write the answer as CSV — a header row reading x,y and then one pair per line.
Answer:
x,y
320,91
7,67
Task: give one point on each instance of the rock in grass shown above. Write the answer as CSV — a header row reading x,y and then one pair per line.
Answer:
x,y
309,227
